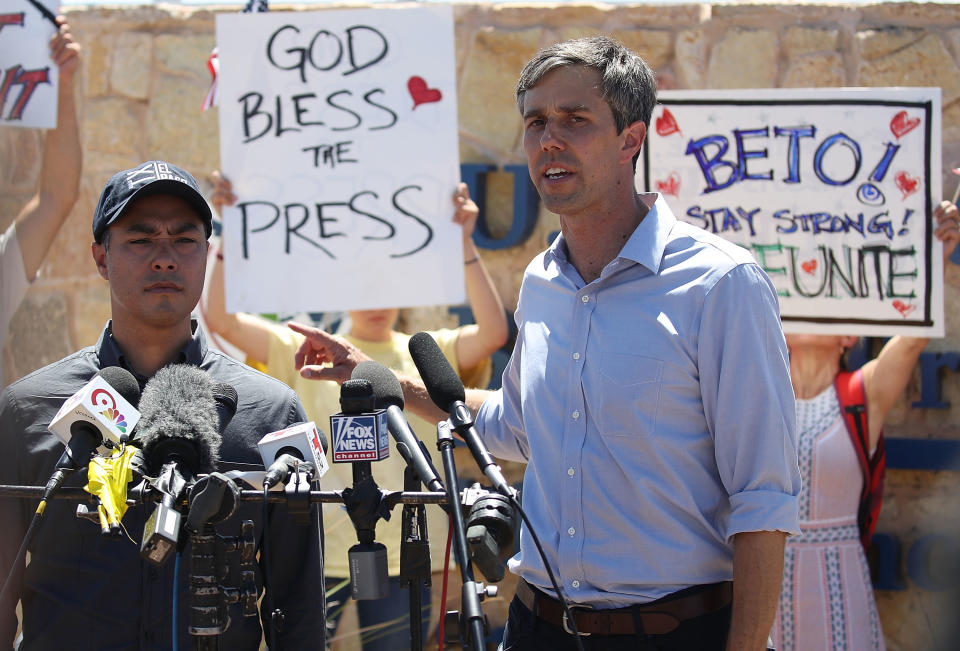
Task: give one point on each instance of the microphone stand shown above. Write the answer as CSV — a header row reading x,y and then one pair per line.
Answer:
x,y
472,592
138,495
414,557
368,559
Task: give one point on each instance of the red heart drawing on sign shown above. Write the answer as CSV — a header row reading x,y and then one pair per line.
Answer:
x,y
667,124
907,184
903,308
670,186
809,266
421,93
901,124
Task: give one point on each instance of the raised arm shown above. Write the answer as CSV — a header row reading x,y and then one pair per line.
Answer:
x,y
479,340
248,332
885,378
323,356
40,220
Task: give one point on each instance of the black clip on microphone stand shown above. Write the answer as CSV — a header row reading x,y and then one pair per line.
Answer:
x,y
213,499
472,592
414,557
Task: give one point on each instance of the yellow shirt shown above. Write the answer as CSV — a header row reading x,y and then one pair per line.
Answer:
x,y
321,399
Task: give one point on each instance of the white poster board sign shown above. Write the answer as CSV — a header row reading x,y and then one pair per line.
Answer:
x,y
832,190
28,78
338,130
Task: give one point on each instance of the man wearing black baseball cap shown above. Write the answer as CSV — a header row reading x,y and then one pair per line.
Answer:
x,y
151,178
85,591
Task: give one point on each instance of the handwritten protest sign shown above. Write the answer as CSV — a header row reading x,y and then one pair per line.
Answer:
x,y
28,78
832,191
338,130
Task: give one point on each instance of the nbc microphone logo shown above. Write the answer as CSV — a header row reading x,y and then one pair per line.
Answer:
x,y
116,418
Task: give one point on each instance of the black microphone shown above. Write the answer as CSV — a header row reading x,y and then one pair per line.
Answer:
x,y
359,436
388,394
82,426
226,398
446,391
179,439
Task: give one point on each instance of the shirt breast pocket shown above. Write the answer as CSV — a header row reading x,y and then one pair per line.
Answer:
x,y
629,394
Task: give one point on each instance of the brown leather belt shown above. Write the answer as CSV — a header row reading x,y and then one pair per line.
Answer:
x,y
657,618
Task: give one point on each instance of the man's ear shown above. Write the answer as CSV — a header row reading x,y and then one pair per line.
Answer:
x,y
99,252
633,137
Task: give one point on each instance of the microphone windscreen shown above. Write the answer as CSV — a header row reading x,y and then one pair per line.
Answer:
x,y
442,382
356,396
123,382
226,398
178,414
386,387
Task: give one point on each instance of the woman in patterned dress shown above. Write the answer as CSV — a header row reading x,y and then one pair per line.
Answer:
x,y
827,599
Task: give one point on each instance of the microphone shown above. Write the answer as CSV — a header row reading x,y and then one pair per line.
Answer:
x,y
446,391
226,398
102,410
359,430
179,420
179,440
388,395
359,434
300,444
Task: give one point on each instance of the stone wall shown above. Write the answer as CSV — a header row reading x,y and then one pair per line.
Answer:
x,y
144,78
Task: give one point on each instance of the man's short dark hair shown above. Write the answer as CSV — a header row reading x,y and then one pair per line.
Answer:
x,y
627,83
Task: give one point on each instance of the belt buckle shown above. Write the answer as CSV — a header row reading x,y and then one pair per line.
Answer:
x,y
564,621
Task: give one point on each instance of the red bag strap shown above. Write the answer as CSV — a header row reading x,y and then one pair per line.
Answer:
x,y
853,407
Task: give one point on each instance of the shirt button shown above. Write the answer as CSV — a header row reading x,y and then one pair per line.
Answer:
x,y
571,472
585,298
575,414
571,531
575,584
576,355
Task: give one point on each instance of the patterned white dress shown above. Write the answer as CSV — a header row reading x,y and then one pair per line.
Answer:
x,y
827,598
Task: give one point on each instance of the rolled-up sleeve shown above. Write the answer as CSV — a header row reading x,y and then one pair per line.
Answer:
x,y
748,402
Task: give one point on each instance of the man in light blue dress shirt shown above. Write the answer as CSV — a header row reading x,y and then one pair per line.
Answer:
x,y
648,392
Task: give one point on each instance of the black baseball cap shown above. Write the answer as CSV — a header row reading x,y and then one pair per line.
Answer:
x,y
152,177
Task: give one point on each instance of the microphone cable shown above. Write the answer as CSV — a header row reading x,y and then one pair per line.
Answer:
x,y
546,565
176,601
21,555
446,580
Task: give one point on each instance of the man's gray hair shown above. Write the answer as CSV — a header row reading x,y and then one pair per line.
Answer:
x,y
627,83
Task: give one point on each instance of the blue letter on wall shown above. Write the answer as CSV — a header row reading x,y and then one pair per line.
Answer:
x,y
525,205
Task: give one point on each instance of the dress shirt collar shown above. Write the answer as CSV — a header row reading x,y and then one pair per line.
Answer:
x,y
109,353
649,239
645,246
